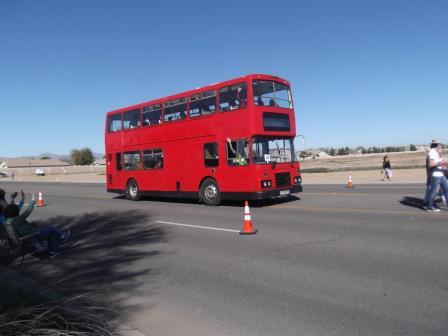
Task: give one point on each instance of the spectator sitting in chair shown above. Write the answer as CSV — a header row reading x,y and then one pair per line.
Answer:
x,y
2,218
23,228
4,203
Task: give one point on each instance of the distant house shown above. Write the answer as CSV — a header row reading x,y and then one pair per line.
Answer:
x,y
30,163
100,162
422,148
315,154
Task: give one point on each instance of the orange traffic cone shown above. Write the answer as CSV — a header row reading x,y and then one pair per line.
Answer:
x,y
247,223
40,200
350,182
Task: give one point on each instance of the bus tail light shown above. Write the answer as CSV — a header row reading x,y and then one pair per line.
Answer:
x,y
266,183
297,179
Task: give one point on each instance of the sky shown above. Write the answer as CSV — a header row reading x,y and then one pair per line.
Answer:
x,y
371,73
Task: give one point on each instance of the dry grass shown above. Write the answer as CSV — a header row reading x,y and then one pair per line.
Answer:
x,y
25,314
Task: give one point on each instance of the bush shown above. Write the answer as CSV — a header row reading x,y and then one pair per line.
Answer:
x,y
82,157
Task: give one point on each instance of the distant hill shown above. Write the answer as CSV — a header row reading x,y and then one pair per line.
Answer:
x,y
62,157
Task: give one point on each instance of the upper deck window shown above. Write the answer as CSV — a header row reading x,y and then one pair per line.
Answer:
x,y
131,119
114,123
270,93
175,109
203,103
152,115
233,97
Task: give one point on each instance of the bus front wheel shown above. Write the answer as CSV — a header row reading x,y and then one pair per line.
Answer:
x,y
132,190
210,194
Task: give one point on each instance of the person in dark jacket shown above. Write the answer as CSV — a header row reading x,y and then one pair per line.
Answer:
x,y
387,169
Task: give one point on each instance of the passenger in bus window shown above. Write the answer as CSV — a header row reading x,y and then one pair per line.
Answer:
x,y
205,110
272,103
234,104
259,101
240,154
241,96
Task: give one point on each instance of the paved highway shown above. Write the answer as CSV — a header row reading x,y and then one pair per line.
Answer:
x,y
335,261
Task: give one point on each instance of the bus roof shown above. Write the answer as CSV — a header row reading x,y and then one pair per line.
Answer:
x,y
200,89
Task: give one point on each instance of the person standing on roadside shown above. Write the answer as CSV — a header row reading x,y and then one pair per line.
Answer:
x,y
436,176
387,169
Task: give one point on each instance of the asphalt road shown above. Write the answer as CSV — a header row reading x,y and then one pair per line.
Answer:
x,y
335,261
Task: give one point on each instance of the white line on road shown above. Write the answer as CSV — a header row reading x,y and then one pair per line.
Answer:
x,y
197,226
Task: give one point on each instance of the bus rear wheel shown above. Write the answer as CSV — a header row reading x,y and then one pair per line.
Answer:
x,y
132,190
210,193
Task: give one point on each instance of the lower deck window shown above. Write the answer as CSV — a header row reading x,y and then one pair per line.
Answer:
x,y
132,160
119,166
211,154
237,152
153,159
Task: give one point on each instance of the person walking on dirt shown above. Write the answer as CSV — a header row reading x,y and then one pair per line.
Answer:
x,y
387,169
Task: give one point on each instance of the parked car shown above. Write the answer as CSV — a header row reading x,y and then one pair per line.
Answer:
x,y
40,172
3,174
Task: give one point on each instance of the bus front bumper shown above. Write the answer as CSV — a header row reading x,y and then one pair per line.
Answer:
x,y
264,194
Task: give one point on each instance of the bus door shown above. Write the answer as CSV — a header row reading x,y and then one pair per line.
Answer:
x,y
239,172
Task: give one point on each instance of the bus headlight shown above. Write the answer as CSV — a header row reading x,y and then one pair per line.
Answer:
x,y
266,183
297,180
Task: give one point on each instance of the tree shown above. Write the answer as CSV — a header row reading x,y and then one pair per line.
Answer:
x,y
412,148
82,157
342,151
45,158
332,151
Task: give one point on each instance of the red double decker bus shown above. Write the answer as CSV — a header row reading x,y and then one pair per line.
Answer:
x,y
230,140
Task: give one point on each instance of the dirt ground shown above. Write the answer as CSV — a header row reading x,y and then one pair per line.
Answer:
x,y
366,177
350,164
417,175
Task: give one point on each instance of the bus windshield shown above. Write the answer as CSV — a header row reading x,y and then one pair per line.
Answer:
x,y
270,150
270,93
